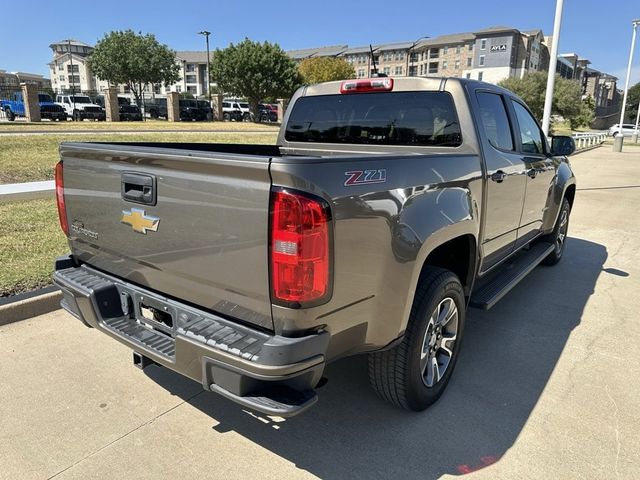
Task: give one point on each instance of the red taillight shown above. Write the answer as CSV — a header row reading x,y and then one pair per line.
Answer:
x,y
300,257
384,84
62,211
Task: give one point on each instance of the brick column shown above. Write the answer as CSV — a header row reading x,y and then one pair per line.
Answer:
x,y
111,104
216,107
282,106
173,107
31,104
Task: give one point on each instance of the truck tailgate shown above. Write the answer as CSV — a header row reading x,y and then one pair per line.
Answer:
x,y
206,233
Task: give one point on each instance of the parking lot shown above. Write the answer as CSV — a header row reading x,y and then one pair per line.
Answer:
x,y
547,385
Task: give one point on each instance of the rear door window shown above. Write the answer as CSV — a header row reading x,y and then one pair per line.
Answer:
x,y
495,120
395,118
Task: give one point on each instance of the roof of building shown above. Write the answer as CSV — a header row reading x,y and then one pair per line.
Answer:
x,y
72,41
329,51
193,56
496,29
64,56
533,32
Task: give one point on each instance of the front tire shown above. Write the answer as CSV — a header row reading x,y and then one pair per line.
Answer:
x,y
414,374
559,235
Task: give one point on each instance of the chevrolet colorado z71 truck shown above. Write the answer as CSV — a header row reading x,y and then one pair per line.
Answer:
x,y
388,206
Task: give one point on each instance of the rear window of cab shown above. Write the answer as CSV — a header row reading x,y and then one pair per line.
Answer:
x,y
392,118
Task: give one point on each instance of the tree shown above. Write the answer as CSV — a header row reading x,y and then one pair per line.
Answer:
x,y
325,69
134,60
255,71
567,96
633,99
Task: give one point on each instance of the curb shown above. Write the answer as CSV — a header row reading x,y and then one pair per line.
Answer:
x,y
30,307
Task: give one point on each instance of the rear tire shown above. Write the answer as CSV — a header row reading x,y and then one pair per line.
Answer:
x,y
10,115
414,374
559,235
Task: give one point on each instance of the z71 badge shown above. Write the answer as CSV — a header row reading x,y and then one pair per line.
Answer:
x,y
364,177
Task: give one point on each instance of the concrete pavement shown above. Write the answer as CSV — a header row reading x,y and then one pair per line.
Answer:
x,y
546,386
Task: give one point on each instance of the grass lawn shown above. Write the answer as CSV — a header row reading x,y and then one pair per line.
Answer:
x,y
31,158
30,236
30,239
24,127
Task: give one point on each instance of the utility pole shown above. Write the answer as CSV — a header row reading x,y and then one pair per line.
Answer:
x,y
551,79
73,83
619,139
206,36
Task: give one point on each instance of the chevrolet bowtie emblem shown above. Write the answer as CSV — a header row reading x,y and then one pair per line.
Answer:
x,y
139,221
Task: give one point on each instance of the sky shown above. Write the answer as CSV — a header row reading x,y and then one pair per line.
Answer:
x,y
594,29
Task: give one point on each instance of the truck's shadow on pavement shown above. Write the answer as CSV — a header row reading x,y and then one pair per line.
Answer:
x,y
507,358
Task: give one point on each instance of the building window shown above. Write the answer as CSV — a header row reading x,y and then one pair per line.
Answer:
x,y
414,57
445,50
458,49
469,61
398,70
61,78
191,79
434,53
468,75
444,64
178,88
480,76
470,47
360,72
192,90
481,60
413,71
156,88
61,67
386,70
433,67
191,67
75,79
457,66
483,44
76,69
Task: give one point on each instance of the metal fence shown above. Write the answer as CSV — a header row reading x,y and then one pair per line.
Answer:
x,y
587,140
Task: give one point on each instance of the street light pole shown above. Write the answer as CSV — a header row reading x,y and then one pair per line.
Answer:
x,y
413,45
619,139
551,79
206,36
73,83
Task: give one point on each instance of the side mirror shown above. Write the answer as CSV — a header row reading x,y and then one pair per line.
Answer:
x,y
562,145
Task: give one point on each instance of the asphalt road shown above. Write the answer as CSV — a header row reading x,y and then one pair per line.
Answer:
x,y
547,386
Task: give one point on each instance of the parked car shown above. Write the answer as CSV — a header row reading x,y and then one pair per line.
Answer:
x,y
266,113
14,107
99,100
627,129
231,111
191,110
386,209
157,108
130,112
80,107
205,106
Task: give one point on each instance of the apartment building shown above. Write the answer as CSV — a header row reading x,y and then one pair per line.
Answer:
x,y
491,55
14,79
69,71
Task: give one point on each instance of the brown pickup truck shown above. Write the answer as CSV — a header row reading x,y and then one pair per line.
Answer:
x,y
386,209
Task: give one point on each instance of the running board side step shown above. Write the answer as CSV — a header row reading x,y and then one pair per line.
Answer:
x,y
511,274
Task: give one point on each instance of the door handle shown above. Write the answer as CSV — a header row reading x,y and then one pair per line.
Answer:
x,y
532,172
139,188
498,176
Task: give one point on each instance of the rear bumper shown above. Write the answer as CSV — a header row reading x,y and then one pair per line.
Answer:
x,y
269,373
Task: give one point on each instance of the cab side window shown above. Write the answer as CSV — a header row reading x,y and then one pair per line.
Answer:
x,y
495,120
529,130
